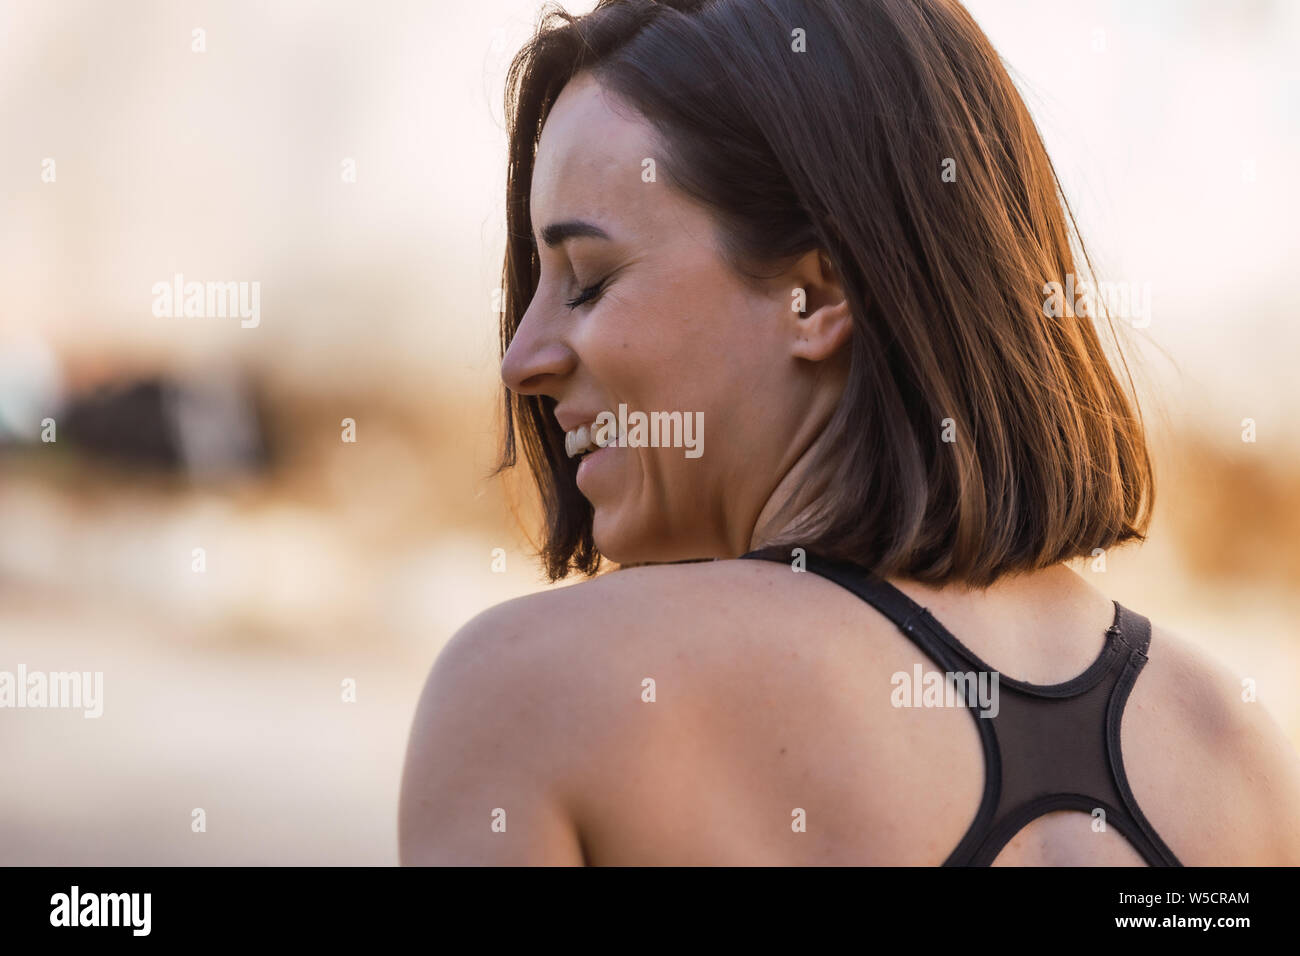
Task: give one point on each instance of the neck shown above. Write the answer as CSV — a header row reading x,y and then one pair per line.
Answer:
x,y
783,513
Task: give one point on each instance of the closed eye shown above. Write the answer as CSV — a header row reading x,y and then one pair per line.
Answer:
x,y
586,295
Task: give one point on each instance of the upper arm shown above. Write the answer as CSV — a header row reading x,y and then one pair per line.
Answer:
x,y
1238,785
1268,772
479,784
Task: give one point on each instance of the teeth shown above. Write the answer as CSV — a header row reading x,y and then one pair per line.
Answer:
x,y
582,439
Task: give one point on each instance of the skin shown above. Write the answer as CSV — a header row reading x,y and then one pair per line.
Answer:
x,y
772,690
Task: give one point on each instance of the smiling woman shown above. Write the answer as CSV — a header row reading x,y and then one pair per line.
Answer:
x,y
825,227
651,251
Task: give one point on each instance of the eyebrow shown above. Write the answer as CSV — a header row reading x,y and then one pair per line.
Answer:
x,y
558,232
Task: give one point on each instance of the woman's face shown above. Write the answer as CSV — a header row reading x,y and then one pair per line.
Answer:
x,y
671,329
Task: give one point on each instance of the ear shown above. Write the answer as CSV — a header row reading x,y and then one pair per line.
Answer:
x,y
826,322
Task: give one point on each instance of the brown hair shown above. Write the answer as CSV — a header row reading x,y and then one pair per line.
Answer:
x,y
842,148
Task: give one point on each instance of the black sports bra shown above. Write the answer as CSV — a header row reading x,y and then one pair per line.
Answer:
x,y
1047,746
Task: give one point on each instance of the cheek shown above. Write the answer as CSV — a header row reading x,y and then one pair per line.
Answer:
x,y
686,331
701,344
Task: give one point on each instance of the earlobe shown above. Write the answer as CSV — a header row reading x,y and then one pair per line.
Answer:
x,y
826,322
823,332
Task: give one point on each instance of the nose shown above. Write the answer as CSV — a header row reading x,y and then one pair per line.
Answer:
x,y
537,355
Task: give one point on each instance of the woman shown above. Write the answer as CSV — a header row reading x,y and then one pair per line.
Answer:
x,y
829,231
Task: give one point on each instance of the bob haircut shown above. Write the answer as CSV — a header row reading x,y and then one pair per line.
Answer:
x,y
980,432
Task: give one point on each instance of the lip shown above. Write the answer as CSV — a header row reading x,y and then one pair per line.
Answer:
x,y
591,463
570,420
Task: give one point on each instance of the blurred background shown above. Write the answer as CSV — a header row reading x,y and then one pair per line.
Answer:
x,y
203,532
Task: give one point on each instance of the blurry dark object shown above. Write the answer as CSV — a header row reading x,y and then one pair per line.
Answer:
x,y
207,428
128,423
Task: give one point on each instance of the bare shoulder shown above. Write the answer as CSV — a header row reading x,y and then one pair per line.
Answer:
x,y
633,600
1232,794
569,637
542,697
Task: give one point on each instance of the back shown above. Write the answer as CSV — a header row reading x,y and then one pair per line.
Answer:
x,y
1047,747
735,712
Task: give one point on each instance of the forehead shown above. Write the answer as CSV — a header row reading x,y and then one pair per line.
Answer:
x,y
589,160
